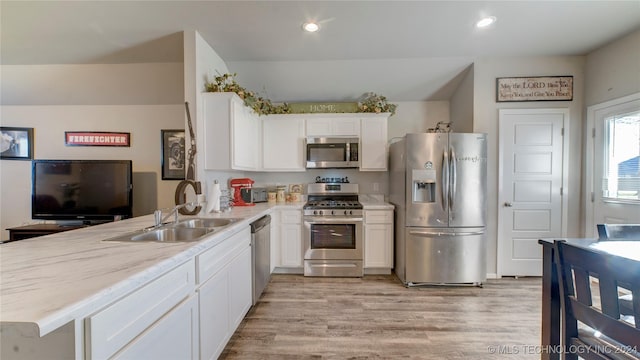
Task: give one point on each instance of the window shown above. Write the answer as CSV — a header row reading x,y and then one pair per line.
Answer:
x,y
621,173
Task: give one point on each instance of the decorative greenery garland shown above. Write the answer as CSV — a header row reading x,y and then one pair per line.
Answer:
x,y
370,102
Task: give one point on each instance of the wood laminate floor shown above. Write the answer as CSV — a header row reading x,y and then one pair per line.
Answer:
x,y
377,318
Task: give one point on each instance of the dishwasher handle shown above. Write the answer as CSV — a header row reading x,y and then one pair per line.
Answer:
x,y
260,223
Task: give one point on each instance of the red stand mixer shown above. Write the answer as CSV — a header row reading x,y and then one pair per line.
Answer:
x,y
238,185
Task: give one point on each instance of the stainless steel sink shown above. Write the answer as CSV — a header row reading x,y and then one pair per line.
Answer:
x,y
205,223
164,234
182,231
172,234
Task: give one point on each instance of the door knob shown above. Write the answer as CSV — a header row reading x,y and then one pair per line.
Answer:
x,y
508,204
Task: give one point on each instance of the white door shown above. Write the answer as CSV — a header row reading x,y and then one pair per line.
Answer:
x,y
530,201
613,163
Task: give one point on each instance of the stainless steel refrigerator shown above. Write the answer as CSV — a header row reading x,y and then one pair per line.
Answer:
x,y
438,185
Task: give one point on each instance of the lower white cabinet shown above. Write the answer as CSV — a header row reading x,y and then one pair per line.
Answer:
x,y
378,239
291,238
214,316
128,320
224,295
174,336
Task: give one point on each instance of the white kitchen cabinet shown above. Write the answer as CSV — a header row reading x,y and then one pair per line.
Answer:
x,y
230,133
291,238
378,239
214,316
112,328
336,125
174,336
240,295
224,275
283,143
373,142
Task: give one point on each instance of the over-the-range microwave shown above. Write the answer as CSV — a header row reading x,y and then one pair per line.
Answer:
x,y
332,152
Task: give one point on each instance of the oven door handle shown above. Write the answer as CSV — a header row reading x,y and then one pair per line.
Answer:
x,y
331,220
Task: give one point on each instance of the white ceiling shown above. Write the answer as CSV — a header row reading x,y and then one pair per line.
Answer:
x,y
405,50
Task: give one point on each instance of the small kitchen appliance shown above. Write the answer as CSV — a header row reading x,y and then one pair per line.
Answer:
x,y
332,152
333,231
254,194
239,185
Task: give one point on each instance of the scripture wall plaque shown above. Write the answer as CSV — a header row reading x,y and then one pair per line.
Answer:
x,y
537,88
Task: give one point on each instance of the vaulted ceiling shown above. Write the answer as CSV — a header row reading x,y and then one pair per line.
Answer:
x,y
406,50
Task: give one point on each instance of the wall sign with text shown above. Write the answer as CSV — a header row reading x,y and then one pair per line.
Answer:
x,y
96,138
537,88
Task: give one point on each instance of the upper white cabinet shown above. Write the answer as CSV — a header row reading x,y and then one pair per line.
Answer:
x,y
231,133
283,143
334,125
236,138
373,142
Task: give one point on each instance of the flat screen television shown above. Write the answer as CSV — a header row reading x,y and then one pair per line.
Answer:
x,y
81,190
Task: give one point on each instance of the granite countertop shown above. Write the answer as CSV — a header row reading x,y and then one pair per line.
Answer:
x,y
374,202
51,280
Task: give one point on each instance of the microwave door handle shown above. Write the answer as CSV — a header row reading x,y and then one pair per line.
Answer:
x,y
348,149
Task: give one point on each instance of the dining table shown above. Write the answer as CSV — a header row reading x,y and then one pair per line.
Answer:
x,y
551,325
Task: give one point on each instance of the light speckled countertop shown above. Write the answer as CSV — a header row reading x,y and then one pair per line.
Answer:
x,y
51,280
374,202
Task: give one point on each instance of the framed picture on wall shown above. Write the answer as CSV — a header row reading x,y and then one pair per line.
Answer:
x,y
17,143
173,159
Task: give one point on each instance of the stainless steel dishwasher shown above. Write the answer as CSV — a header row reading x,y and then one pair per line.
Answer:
x,y
260,255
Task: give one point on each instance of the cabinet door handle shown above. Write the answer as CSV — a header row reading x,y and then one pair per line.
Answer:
x,y
508,204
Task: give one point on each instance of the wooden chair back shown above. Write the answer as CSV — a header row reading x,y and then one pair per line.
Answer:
x,y
610,334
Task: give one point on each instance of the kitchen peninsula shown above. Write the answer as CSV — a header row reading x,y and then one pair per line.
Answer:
x,y
54,290
72,295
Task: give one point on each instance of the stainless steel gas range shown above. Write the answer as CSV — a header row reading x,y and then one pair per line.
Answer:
x,y
333,234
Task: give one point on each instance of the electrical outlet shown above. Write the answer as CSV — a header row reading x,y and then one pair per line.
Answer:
x,y
376,187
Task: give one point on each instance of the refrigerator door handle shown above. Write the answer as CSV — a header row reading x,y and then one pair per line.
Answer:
x,y
454,178
445,181
435,233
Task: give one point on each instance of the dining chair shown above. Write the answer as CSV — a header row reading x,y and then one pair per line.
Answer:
x,y
593,326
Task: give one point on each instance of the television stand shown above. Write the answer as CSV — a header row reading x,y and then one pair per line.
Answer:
x,y
30,231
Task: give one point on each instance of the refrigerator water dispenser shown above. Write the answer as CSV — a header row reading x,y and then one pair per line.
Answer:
x,y
424,186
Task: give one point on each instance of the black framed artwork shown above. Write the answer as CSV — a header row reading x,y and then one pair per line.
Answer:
x,y
17,143
173,159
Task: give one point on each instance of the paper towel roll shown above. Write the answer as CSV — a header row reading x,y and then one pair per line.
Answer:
x,y
213,204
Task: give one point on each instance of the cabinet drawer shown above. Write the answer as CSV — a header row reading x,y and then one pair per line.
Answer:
x,y
115,326
291,217
378,217
213,260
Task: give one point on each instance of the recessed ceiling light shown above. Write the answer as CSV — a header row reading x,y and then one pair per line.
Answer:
x,y
486,21
311,27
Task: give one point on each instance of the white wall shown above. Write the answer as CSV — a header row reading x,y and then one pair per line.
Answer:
x,y
95,84
462,104
202,63
613,71
143,122
140,99
486,70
